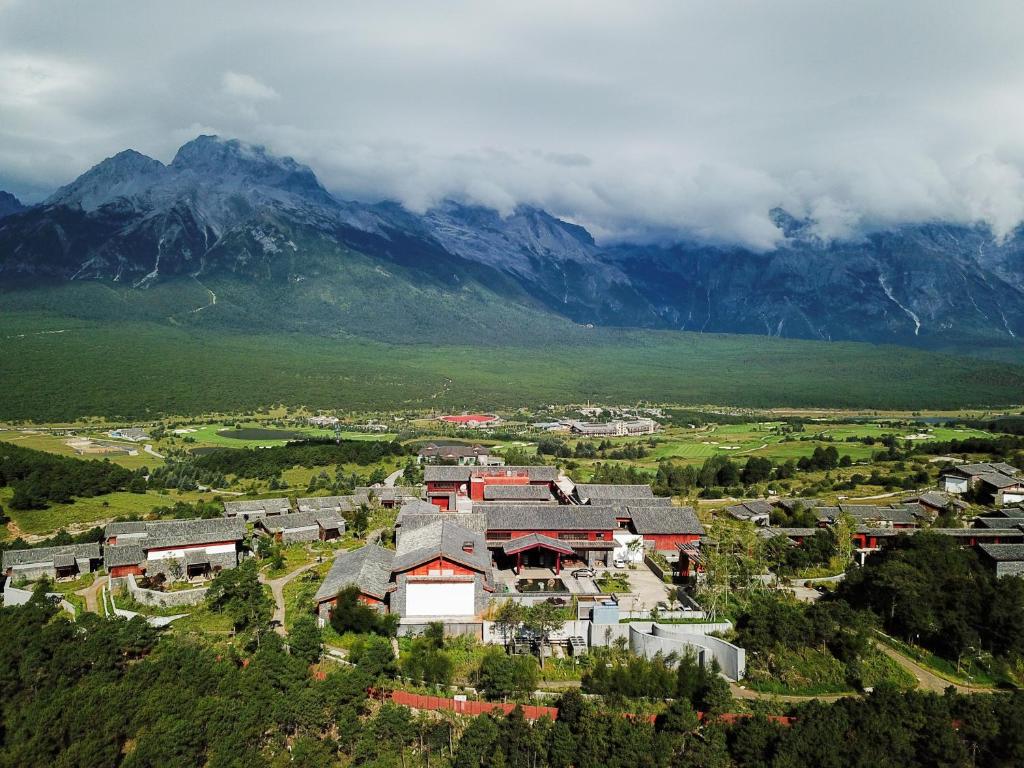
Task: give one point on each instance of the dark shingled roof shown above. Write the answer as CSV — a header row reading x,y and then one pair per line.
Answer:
x,y
119,529
320,503
665,520
416,507
517,492
442,473
368,568
748,509
328,520
523,543
442,538
44,555
250,506
1004,553
474,521
771,533
547,517
594,491
173,533
387,492
122,554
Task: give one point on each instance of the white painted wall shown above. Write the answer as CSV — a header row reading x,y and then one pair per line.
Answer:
x,y
954,484
622,541
432,599
213,549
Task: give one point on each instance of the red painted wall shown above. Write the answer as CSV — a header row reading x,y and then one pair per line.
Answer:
x,y
587,535
668,541
434,567
118,571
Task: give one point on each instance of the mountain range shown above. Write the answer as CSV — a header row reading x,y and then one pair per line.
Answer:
x,y
272,247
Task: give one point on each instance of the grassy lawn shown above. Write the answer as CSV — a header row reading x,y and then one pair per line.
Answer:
x,y
814,672
40,441
295,556
206,435
969,674
609,583
298,598
83,513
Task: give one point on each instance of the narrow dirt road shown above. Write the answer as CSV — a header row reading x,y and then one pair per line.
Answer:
x,y
91,594
277,589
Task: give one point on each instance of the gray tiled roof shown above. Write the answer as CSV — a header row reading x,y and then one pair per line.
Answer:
x,y
442,473
317,503
983,468
1003,553
748,509
387,493
791,504
993,522
936,499
328,520
249,506
523,543
442,538
980,533
172,533
606,491
474,521
665,520
368,568
416,507
121,528
44,555
517,492
546,517
123,554
999,480
771,533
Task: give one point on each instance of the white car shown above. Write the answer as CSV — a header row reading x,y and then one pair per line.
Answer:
x,y
619,563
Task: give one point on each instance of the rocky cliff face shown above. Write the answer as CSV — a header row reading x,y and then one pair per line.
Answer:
x,y
225,207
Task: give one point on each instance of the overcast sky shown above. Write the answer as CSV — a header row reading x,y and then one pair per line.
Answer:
x,y
636,119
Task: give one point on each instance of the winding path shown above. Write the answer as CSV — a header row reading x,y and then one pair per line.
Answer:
x,y
277,589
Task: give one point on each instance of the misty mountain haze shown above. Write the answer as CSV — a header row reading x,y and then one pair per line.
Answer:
x,y
224,207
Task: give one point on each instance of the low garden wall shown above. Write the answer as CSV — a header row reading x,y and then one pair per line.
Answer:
x,y
158,599
650,640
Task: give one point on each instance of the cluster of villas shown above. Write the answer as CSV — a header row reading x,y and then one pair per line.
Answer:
x,y
477,525
997,534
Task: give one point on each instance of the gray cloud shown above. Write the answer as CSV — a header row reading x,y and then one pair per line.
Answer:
x,y
647,119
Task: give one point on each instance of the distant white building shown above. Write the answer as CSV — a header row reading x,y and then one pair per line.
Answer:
x,y
134,434
618,428
325,422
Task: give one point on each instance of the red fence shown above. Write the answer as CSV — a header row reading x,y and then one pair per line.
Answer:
x,y
531,712
419,701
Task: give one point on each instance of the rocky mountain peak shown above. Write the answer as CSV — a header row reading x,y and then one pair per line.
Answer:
x,y
9,204
121,175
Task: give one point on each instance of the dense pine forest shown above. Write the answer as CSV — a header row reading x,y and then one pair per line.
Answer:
x,y
108,692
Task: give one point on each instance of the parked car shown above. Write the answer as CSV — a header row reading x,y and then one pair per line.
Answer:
x,y
620,563
584,573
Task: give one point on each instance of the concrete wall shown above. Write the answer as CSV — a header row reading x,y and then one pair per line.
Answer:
x,y
163,565
311,533
1010,569
15,596
160,599
731,658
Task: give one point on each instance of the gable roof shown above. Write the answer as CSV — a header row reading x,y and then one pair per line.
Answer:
x,y
171,533
390,493
443,473
549,517
1004,553
13,558
473,521
320,503
123,554
748,509
328,520
250,506
594,491
665,520
501,492
441,538
999,480
368,568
